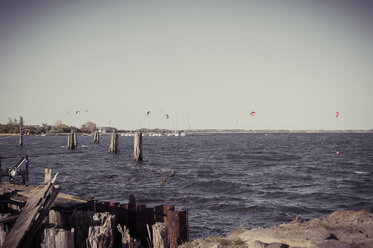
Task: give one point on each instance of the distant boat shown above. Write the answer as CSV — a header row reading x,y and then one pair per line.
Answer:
x,y
126,134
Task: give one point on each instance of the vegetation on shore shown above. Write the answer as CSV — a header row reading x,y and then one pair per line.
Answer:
x,y
12,127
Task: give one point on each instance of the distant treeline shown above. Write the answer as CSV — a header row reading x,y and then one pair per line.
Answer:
x,y
13,127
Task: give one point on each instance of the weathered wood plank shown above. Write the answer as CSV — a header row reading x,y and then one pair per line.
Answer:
x,y
127,241
159,235
80,220
31,217
63,201
3,227
101,234
57,238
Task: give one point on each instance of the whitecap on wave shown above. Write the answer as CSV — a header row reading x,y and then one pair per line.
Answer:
x,y
360,172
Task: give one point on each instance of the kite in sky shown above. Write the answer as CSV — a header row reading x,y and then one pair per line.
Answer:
x,y
148,113
78,111
336,114
253,113
167,116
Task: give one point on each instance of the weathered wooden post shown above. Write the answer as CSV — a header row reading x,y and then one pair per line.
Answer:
x,y
159,235
26,167
21,131
72,142
57,237
96,137
75,141
137,146
101,232
47,175
114,143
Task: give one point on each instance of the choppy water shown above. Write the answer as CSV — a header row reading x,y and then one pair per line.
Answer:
x,y
224,180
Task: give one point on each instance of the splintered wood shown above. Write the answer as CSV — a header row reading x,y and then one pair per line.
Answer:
x,y
127,241
159,235
101,234
32,216
57,238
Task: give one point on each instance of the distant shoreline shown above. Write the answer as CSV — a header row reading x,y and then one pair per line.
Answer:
x,y
219,131
213,131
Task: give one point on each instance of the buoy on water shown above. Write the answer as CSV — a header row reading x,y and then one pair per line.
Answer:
x,y
337,152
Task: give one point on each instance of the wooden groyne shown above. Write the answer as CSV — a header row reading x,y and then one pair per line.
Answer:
x,y
72,141
137,146
113,149
21,131
84,222
96,137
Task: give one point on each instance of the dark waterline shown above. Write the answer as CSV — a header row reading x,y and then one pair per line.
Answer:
x,y
224,181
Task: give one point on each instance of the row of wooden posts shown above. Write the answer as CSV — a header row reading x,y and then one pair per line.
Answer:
x,y
72,143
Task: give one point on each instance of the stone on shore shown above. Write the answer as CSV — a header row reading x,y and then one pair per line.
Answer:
x,y
341,229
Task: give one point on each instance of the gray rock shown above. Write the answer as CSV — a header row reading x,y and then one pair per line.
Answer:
x,y
277,245
257,244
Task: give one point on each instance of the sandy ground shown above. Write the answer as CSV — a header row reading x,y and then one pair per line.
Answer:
x,y
341,229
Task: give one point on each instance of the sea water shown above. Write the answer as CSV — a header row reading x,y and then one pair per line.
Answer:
x,y
225,181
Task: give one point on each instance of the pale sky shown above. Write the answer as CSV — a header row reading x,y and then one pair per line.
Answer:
x,y
207,64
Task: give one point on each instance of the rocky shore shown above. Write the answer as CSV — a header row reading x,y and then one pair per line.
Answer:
x,y
341,229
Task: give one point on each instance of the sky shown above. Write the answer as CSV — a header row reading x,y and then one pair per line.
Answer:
x,y
207,64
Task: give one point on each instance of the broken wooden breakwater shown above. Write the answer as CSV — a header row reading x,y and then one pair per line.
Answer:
x,y
82,222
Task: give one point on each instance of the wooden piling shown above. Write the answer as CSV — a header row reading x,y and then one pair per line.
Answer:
x,y
126,240
177,228
137,146
159,235
21,131
26,168
72,141
101,233
4,228
75,141
114,143
96,137
58,237
47,175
